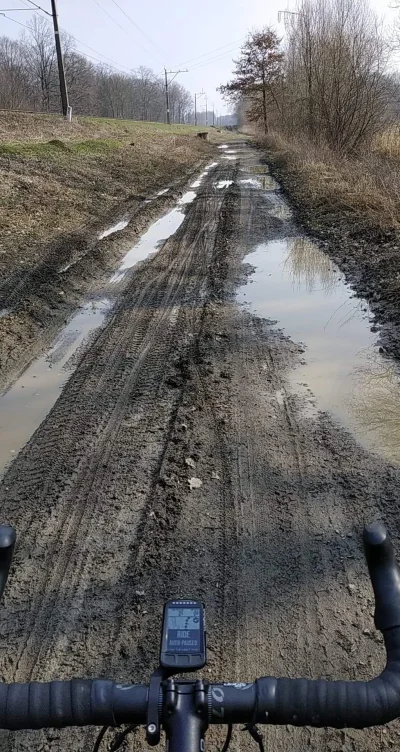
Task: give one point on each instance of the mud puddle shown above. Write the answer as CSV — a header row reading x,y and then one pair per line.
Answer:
x,y
159,231
343,373
115,228
149,243
24,406
27,402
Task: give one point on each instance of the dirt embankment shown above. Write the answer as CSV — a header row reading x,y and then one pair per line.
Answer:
x,y
60,186
355,220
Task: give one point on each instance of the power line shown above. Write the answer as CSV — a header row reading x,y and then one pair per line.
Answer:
x,y
117,65
157,46
14,21
39,8
85,54
211,52
121,27
213,60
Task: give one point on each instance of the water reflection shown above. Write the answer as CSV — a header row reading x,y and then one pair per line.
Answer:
x,y
308,267
297,285
27,402
375,405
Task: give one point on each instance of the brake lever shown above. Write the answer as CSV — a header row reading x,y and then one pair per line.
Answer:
x,y
7,543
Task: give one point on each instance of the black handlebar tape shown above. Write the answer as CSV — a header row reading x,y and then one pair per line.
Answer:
x,y
80,702
385,576
7,543
303,702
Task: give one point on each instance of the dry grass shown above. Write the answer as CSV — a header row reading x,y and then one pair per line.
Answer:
x,y
365,191
54,179
387,143
17,127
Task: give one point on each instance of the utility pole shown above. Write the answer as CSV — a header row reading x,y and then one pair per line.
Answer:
x,y
213,114
286,16
61,72
167,83
197,94
206,113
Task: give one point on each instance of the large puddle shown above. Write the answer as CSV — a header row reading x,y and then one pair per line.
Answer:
x,y
24,406
297,285
151,240
27,402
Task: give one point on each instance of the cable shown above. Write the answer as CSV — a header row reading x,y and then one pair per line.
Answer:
x,y
14,21
138,28
117,65
85,54
121,27
255,734
228,739
112,63
211,52
213,60
118,738
100,738
39,8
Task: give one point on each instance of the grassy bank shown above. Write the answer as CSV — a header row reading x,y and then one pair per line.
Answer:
x,y
353,207
56,178
22,127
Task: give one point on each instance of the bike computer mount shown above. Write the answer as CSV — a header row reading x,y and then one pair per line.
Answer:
x,y
183,649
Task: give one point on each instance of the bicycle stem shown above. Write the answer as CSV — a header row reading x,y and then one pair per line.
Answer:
x,y
185,725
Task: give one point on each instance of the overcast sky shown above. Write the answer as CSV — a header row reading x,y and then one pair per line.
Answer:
x,y
202,36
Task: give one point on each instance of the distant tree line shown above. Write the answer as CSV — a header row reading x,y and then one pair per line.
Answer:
x,y
329,80
29,81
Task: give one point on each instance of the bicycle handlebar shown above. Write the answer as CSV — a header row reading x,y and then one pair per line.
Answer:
x,y
299,702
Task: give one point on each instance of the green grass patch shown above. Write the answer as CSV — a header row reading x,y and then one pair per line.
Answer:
x,y
95,145
56,148
141,126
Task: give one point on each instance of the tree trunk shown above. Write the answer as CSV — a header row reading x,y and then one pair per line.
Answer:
x,y
264,96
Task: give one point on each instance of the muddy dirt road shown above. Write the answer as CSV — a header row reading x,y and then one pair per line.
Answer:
x,y
185,381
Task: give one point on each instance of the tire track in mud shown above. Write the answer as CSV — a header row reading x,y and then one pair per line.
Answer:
x,y
124,360
270,540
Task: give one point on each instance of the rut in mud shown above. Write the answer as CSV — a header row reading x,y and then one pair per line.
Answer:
x,y
184,382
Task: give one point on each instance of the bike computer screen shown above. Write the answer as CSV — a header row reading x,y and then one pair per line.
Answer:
x,y
183,643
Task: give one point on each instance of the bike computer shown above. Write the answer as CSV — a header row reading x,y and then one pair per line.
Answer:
x,y
183,642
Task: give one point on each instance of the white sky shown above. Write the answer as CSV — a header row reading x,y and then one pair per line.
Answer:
x,y
182,30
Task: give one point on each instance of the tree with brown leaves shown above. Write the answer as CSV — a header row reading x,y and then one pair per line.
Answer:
x,y
257,75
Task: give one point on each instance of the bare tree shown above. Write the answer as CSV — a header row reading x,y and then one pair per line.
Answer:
x,y
29,80
145,90
14,82
258,75
41,62
335,78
